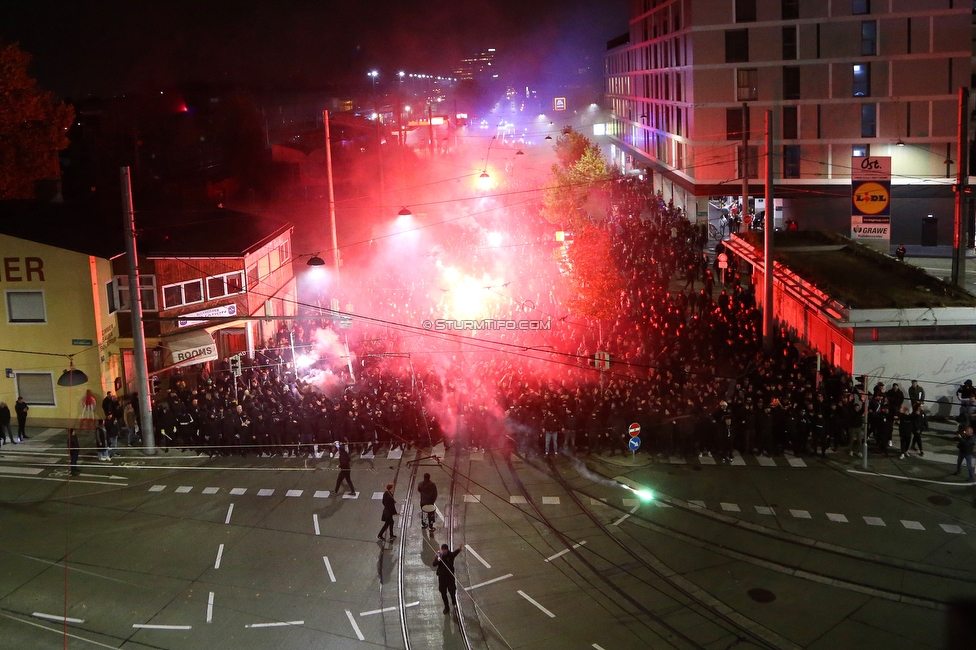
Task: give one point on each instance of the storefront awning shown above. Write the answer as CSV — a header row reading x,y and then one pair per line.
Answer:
x,y
189,349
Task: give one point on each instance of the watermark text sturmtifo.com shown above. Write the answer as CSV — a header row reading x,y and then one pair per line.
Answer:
x,y
444,325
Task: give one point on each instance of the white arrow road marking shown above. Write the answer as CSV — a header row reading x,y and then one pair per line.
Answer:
x,y
60,619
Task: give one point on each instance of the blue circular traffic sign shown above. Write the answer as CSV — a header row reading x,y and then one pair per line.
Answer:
x,y
635,443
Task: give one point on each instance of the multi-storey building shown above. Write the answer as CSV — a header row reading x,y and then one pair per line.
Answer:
x,y
843,78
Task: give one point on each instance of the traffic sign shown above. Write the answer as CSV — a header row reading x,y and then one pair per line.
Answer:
x,y
635,443
872,198
723,261
601,360
634,430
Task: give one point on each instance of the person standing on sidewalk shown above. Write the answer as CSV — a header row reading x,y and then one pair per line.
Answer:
x,y
444,563
966,444
918,426
428,495
5,431
389,511
74,448
906,427
21,408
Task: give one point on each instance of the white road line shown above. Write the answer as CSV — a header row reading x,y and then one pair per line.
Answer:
x,y
279,624
439,513
238,491
597,647
912,525
210,607
377,496
355,626
350,495
220,554
59,619
550,501
28,470
764,510
839,518
184,489
910,478
58,631
477,557
730,507
321,494
328,567
64,480
315,522
230,511
695,503
952,528
541,608
621,520
491,582
141,626
211,490
564,551
472,498
378,611
157,488
266,492
294,493
800,514
873,521
796,462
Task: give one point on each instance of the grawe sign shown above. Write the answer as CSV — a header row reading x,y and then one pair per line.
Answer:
x,y
871,200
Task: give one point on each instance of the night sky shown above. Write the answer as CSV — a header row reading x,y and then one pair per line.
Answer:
x,y
104,47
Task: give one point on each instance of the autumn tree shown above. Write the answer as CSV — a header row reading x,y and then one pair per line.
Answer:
x,y
33,127
596,282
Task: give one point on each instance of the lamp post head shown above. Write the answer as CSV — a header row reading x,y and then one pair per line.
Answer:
x,y
315,260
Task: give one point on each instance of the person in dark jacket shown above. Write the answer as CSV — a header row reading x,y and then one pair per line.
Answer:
x,y
21,408
966,444
344,474
389,511
74,449
428,495
5,430
444,563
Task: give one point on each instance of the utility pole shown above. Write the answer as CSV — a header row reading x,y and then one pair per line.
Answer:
x,y
744,161
769,221
332,214
135,312
960,232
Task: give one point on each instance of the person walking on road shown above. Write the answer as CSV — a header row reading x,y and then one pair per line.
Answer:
x,y
74,448
344,474
966,444
389,511
5,431
428,495
21,408
444,563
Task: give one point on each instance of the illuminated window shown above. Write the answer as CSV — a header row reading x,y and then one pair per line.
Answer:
x,y
26,307
862,80
861,150
183,293
747,84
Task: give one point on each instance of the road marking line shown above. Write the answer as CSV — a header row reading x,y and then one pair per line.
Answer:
x,y
800,514
477,557
355,626
597,647
378,611
564,551
630,503
184,489
730,507
439,513
766,461
952,528
491,582
210,607
764,510
472,498
211,490
550,501
796,462
350,495
661,504
60,619
910,478
377,496
394,454
315,522
266,492
321,494
677,460
541,608
238,491
706,460
146,626
220,554
294,493
279,624
912,525
626,516
28,470
59,631
873,521
157,488
737,459
328,567
230,511
833,516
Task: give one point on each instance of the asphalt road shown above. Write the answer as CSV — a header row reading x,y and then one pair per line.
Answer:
x,y
176,551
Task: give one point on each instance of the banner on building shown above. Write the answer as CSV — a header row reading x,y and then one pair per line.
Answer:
x,y
196,317
870,228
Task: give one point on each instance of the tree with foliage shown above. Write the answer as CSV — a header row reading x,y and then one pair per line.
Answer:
x,y
596,282
33,127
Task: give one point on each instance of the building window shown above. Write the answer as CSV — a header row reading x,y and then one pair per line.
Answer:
x,y
751,163
184,293
791,9
859,7
37,388
252,277
26,307
862,80
284,252
147,293
733,123
791,161
869,120
791,82
861,150
789,42
747,85
790,123
869,37
736,45
745,11
111,300
228,284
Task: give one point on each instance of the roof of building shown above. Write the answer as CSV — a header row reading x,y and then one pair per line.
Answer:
x,y
859,276
86,227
